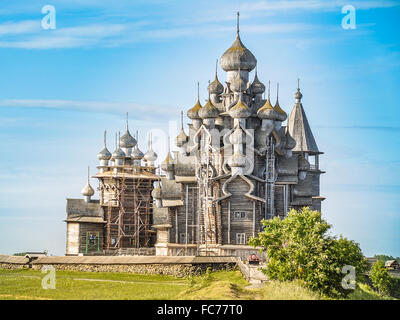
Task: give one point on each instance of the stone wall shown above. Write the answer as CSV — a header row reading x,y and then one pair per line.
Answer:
x,y
13,266
177,270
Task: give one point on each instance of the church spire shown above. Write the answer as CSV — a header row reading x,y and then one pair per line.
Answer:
x,y
237,23
299,128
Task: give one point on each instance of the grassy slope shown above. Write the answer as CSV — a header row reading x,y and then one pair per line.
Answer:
x,y
26,284
231,285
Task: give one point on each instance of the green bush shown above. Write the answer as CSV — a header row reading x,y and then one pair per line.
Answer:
x,y
299,247
381,278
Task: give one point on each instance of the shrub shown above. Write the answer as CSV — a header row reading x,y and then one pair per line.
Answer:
x,y
299,247
381,278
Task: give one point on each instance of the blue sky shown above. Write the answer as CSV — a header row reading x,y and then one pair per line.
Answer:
x,y
59,89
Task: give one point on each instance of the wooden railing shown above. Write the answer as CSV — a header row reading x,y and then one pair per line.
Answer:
x,y
244,269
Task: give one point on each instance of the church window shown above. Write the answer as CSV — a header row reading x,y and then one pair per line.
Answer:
x,y
240,215
182,237
240,238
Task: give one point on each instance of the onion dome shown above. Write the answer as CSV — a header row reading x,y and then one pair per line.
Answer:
x,y
298,95
156,193
240,110
104,154
182,138
127,141
282,114
136,153
304,165
208,111
215,87
193,113
150,155
267,112
290,142
118,153
87,190
257,87
238,56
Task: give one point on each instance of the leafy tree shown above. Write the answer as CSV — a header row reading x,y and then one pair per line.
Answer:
x,y
299,247
20,254
380,277
385,257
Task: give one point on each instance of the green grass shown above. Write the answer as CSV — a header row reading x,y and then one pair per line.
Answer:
x,y
26,284
364,292
231,286
224,285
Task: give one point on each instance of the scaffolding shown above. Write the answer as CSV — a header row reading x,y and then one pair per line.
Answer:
x,y
270,179
127,205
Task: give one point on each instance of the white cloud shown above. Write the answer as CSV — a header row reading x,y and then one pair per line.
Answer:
x,y
141,111
20,27
312,5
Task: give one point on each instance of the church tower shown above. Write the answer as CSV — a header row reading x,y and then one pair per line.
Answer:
x,y
238,164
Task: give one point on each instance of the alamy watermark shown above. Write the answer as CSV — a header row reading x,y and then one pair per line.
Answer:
x,y
49,20
349,280
49,280
349,20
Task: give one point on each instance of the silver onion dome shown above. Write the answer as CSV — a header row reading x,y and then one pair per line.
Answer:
x,y
267,112
181,138
104,154
216,87
238,56
87,190
150,155
257,87
118,153
240,110
137,154
127,141
282,115
156,193
208,111
298,95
